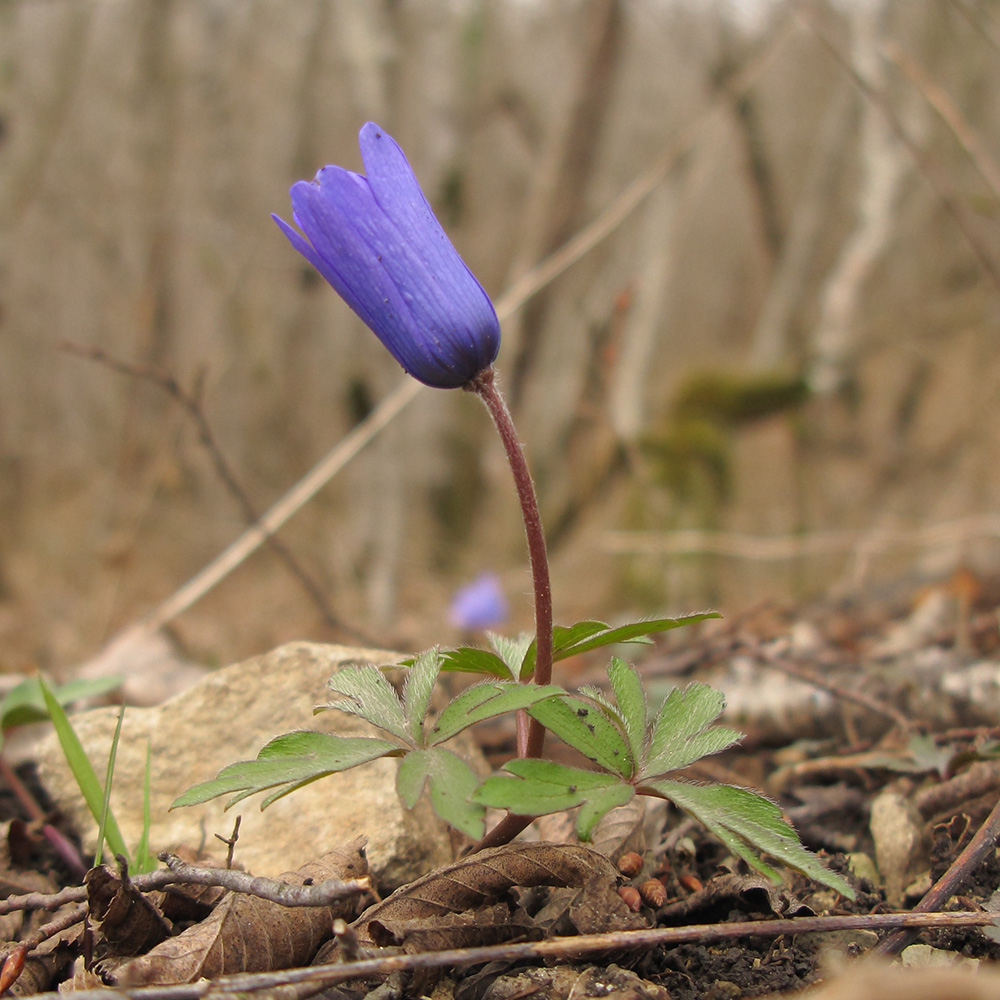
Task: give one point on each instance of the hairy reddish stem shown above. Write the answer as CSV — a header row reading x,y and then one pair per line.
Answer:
x,y
531,738
61,844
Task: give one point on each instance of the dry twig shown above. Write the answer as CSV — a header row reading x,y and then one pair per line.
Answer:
x,y
809,676
320,894
941,185
960,870
191,404
179,872
559,948
352,444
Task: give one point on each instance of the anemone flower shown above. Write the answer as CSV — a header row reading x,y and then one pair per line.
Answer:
x,y
377,242
479,605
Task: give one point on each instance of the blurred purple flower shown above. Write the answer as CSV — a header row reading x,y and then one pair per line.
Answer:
x,y
479,605
376,241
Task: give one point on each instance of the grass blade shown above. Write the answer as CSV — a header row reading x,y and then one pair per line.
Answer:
x,y
106,798
83,771
143,860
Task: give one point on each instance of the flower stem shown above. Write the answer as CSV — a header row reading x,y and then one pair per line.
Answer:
x,y
531,742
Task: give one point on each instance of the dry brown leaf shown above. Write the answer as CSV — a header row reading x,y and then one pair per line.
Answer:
x,y
125,922
250,934
19,842
565,982
481,879
751,892
10,925
468,929
81,979
40,971
187,903
593,909
20,883
621,829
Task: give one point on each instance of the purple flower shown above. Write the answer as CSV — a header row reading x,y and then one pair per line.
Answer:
x,y
376,241
479,605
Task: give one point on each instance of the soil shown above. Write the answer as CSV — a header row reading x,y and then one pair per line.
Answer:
x,y
939,767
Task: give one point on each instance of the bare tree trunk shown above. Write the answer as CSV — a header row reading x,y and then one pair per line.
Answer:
x,y
884,166
630,387
769,345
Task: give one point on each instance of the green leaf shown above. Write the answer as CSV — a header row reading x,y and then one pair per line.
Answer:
x,y
289,760
144,861
585,636
486,701
450,781
25,703
923,754
509,660
540,787
83,772
417,691
368,694
609,708
470,660
636,632
563,637
586,728
109,774
631,701
683,732
750,825
511,651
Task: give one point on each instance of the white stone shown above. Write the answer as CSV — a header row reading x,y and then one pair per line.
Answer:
x,y
229,716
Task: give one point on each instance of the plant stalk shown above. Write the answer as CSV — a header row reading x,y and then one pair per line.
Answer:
x,y
531,738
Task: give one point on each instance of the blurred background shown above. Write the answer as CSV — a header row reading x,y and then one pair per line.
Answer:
x,y
762,364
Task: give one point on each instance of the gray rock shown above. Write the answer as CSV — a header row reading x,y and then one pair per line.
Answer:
x,y
229,716
897,831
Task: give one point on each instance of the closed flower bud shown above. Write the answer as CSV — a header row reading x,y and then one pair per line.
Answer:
x,y
376,241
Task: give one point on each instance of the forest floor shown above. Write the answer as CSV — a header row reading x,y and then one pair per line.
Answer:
x,y
876,727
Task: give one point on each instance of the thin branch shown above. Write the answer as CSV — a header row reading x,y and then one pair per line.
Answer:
x,y
941,185
191,404
777,548
959,872
809,676
231,841
589,237
949,112
179,872
61,923
319,894
559,948
300,494
977,25
980,778
47,900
